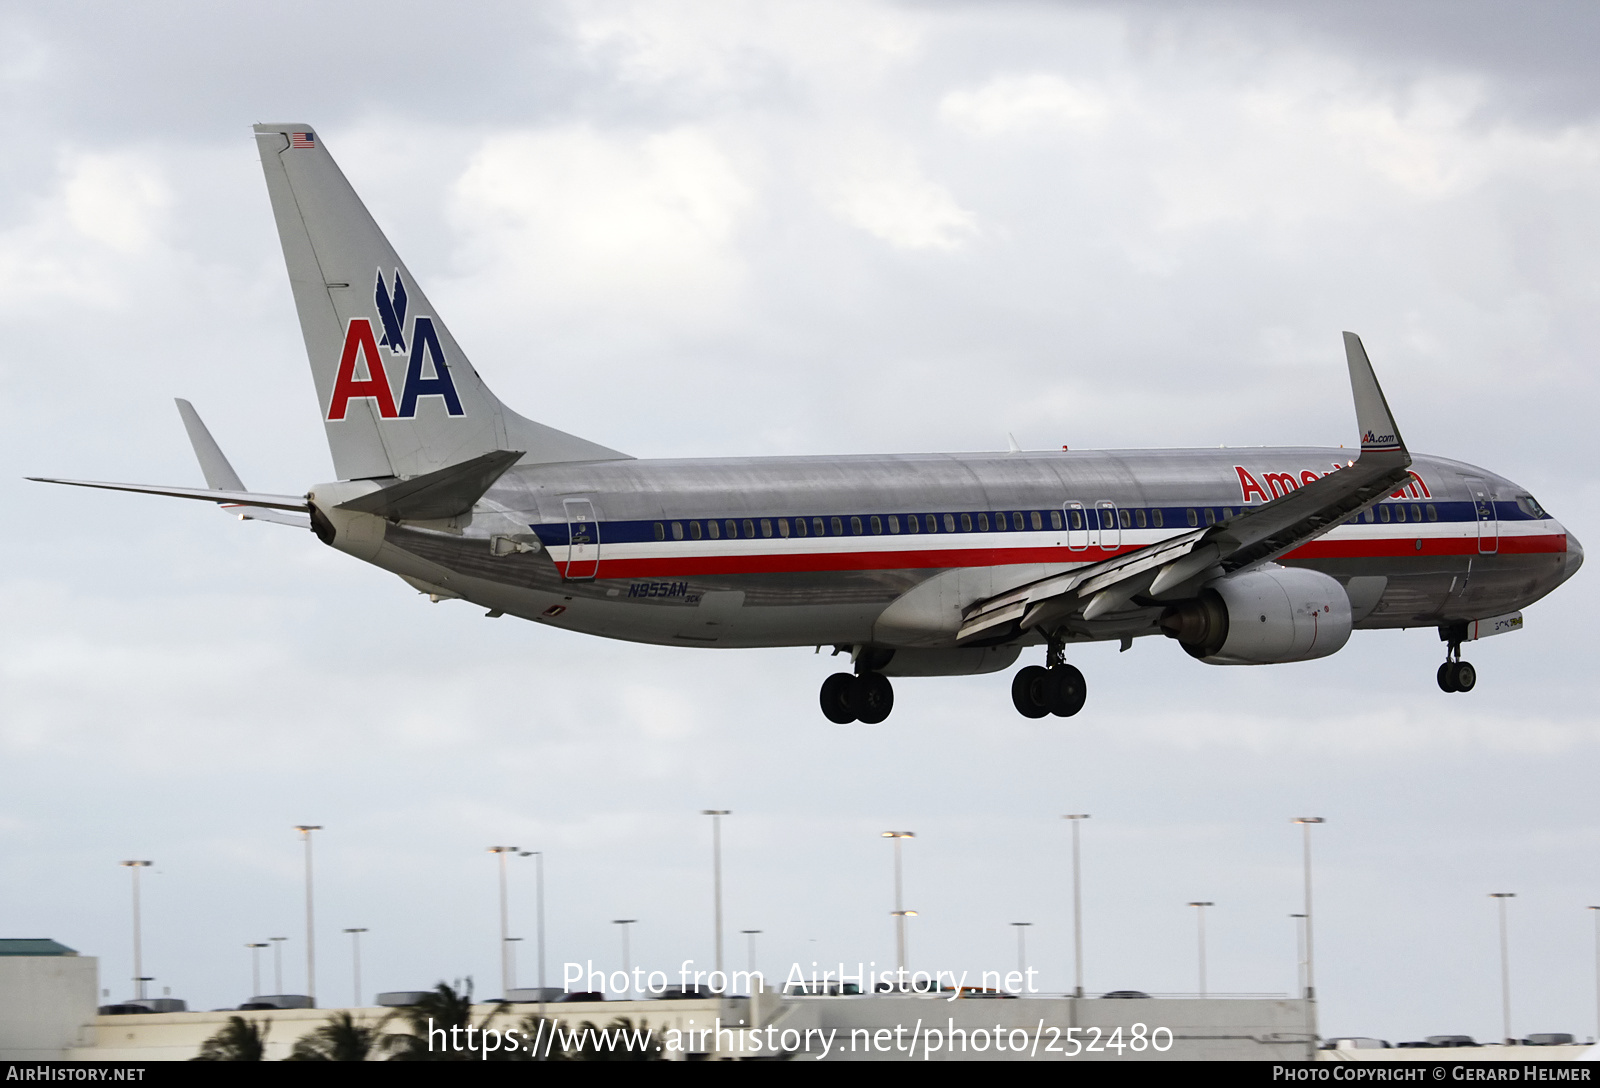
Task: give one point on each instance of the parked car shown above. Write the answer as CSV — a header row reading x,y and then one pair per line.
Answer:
x,y
1356,1042
1126,994
1549,1038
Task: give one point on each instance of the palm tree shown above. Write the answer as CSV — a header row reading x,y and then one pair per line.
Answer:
x,y
341,1039
446,1008
239,1040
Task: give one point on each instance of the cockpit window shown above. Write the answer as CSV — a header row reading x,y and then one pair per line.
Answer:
x,y
1530,506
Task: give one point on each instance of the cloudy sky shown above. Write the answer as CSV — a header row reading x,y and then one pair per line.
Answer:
x,y
723,228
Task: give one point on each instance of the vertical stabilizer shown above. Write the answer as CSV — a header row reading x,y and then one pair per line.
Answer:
x,y
398,396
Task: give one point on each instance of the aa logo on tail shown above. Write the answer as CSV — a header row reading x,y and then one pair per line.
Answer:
x,y
361,353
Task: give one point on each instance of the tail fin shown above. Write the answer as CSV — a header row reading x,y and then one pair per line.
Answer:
x,y
398,396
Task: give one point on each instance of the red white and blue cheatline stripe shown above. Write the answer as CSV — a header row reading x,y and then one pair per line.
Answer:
x,y
302,139
798,555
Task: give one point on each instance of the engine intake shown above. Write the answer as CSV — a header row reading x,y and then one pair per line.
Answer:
x,y
1265,616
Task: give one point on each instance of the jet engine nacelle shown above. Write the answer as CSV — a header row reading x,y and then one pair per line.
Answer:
x,y
1262,617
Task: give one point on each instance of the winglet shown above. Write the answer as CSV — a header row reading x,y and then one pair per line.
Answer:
x,y
213,463
1376,423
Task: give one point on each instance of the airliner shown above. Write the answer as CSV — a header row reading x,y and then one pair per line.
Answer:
x,y
913,565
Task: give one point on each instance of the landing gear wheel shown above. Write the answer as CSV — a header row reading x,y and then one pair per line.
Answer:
x,y
835,698
1065,691
1027,691
871,697
1466,676
1447,677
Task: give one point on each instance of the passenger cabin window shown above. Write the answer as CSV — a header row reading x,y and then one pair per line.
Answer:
x,y
766,526
1075,519
711,529
877,525
912,524
1193,520
661,532
1126,519
1227,512
1433,513
983,523
855,526
1383,514
1399,513
894,523
677,530
749,529
1139,518
966,523
800,526
838,527
783,527
1000,521
1155,516
1367,516
733,529
1016,520
1055,519
817,527
1035,520
694,530
1211,516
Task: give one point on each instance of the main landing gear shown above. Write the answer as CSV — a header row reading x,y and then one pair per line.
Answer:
x,y
1455,674
865,697
1058,689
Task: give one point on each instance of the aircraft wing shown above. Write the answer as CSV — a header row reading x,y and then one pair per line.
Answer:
x,y
1255,535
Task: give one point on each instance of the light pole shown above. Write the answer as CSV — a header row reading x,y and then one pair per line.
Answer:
x,y
1077,909
716,815
1505,967
277,962
255,966
138,957
900,913
1299,951
1022,947
750,936
355,960
1200,913
1310,993
538,869
505,924
311,943
1596,971
627,963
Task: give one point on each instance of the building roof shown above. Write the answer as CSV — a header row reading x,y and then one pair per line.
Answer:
x,y
34,946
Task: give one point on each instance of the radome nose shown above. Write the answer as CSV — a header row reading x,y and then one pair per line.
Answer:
x,y
1574,555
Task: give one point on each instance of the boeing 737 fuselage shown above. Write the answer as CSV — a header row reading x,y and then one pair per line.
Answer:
x,y
917,565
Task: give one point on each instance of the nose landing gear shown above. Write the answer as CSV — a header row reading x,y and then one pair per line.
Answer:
x,y
1059,689
1455,674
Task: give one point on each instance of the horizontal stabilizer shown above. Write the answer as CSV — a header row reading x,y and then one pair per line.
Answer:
x,y
444,493
239,498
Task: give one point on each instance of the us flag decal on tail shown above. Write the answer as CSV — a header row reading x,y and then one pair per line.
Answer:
x,y
302,139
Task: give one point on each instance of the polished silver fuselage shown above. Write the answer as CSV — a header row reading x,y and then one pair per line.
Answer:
x,y
727,552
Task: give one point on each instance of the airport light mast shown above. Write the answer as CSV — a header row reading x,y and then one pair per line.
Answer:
x,y
1200,913
627,963
1505,967
716,815
255,966
505,924
311,943
138,958
1310,994
1077,909
900,913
